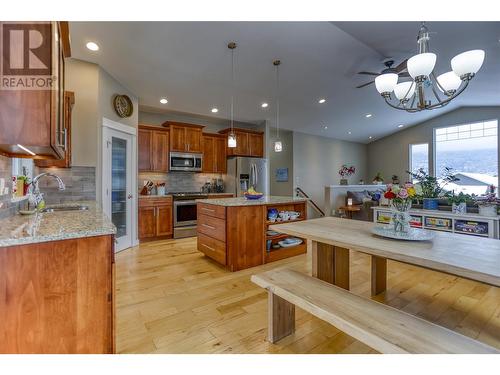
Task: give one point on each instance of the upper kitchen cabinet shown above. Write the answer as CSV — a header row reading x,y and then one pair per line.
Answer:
x,y
32,94
69,102
153,147
214,153
248,143
184,137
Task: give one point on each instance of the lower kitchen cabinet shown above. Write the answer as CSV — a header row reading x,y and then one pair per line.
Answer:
x,y
155,217
57,297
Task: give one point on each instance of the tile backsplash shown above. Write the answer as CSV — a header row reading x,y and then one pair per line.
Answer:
x,y
179,181
80,184
6,207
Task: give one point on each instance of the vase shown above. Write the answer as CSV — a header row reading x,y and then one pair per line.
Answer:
x,y
400,217
489,210
459,208
343,181
431,203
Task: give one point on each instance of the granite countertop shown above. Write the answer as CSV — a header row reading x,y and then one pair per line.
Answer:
x,y
242,201
54,226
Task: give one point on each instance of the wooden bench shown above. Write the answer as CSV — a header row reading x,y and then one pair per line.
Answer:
x,y
381,327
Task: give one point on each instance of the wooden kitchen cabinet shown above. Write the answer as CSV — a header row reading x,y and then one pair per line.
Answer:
x,y
236,236
256,145
35,118
153,149
184,137
248,143
147,222
155,217
214,153
69,102
57,297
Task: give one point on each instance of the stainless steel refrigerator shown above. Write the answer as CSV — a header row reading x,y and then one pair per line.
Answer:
x,y
244,172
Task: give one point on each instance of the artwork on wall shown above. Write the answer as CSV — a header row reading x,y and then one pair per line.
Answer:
x,y
281,174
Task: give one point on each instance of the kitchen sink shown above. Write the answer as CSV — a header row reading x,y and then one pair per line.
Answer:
x,y
76,207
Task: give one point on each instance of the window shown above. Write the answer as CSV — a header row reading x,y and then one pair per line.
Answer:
x,y
471,150
419,157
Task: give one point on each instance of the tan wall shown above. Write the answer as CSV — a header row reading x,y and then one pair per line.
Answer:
x,y
316,161
390,155
83,79
283,159
94,90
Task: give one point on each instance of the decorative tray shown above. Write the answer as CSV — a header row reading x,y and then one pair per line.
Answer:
x,y
413,234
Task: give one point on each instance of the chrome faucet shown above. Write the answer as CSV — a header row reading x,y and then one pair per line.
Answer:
x,y
36,197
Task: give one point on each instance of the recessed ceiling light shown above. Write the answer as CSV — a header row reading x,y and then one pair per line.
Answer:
x,y
264,105
92,46
214,110
322,100
163,101
400,125
368,115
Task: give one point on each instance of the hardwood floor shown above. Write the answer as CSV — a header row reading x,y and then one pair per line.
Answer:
x,y
172,299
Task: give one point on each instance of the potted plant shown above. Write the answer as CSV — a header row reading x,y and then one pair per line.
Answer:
x,y
459,202
400,199
487,204
378,179
345,172
432,188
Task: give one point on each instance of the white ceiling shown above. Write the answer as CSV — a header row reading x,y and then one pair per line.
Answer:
x,y
189,63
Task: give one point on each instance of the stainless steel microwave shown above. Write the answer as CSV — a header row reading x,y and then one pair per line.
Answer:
x,y
185,162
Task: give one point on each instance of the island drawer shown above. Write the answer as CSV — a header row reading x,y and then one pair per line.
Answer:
x,y
213,227
212,248
212,210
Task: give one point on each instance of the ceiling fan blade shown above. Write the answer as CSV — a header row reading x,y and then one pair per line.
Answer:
x,y
366,84
369,73
401,66
404,74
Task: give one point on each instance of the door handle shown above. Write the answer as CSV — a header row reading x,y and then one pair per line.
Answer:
x,y
129,196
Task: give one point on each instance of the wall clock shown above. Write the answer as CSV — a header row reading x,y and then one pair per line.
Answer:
x,y
123,105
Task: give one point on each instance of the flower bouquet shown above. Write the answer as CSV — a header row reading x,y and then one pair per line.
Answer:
x,y
400,198
345,172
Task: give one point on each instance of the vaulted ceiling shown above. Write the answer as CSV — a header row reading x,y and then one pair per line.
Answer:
x,y
189,64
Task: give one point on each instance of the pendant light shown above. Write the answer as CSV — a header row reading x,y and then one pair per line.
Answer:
x,y
231,138
278,146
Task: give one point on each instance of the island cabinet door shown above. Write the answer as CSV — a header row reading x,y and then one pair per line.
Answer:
x,y
57,297
245,237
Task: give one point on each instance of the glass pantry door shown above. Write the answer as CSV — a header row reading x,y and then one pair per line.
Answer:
x,y
117,179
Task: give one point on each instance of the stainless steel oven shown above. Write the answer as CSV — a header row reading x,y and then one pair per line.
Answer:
x,y
185,214
185,162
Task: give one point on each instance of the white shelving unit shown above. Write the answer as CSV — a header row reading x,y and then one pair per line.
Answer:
x,y
468,224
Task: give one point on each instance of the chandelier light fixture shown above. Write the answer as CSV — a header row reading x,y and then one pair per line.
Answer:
x,y
231,138
426,91
278,146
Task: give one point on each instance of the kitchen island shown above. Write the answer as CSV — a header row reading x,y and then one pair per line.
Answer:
x,y
56,281
234,231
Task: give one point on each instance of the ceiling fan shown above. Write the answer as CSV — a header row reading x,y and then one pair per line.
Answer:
x,y
399,70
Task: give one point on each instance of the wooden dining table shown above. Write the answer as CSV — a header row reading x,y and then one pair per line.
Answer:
x,y
471,257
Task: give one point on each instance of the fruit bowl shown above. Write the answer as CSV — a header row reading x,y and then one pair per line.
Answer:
x,y
253,196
